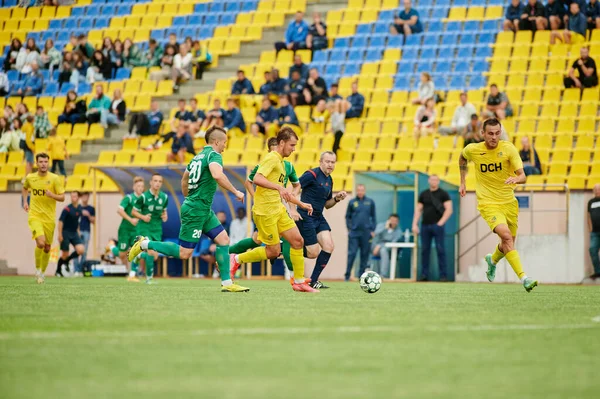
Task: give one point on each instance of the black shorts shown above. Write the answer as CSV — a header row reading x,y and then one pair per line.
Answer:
x,y
70,238
310,226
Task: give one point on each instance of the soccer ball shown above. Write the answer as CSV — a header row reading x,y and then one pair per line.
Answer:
x,y
370,282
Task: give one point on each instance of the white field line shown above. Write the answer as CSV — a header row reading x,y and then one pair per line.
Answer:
x,y
596,319
6,336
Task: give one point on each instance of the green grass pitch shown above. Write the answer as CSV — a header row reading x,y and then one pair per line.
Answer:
x,y
106,338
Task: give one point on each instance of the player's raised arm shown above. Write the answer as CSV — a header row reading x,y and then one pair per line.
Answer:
x,y
185,183
216,170
334,200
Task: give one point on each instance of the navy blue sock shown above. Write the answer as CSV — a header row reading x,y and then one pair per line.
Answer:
x,y
320,264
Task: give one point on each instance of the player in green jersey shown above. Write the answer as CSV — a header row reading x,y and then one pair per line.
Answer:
x,y
151,210
199,184
253,242
127,228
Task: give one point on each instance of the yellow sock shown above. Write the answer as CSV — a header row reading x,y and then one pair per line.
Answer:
x,y
44,260
497,255
297,256
255,255
38,258
515,262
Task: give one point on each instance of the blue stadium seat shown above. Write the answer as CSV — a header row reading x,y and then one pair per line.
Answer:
x,y
486,38
352,69
374,54
321,56
457,83
442,67
478,3
377,41
92,10
249,6
55,74
446,52
206,32
439,13
465,52
180,21
460,3
211,19
51,89
66,87
333,69
338,55
201,8
395,41
12,75
442,3
477,82
410,53
460,67
109,10
34,35
189,32
382,28
435,26
364,29
449,39
70,24
401,83
232,7
413,41
491,25
82,89
453,26
342,42
483,52
62,36
355,55
45,74
481,66
471,26
386,15
78,11
466,40
55,24
195,19
123,73
86,23
406,66
227,19
424,66
101,23
47,35
360,41
496,3
123,9
216,7
157,34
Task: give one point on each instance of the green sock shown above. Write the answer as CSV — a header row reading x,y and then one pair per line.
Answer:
x,y
243,246
222,256
149,265
134,266
115,251
165,248
285,251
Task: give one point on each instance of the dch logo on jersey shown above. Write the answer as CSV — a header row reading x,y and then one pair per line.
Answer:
x,y
491,167
38,192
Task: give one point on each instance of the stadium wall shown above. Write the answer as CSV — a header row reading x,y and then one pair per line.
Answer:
x,y
547,254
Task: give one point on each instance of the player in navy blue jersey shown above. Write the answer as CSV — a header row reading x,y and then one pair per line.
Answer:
x,y
317,190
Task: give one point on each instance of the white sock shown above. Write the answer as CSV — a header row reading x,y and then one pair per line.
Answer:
x,y
144,244
131,273
524,277
237,259
298,281
225,283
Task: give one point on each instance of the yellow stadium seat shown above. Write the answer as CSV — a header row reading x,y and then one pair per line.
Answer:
x,y
148,88
523,37
522,52
260,19
64,130
579,169
168,9
106,158
141,158
73,146
164,21
556,65
516,81
581,157
476,13
565,126
346,30
139,73
542,37
543,142
549,111
74,183
564,141
576,182
141,35
554,80
80,131
276,18
96,132
532,96
457,14
142,103
387,4
334,17
504,39
33,12
568,110
539,52
122,159
494,12
139,9
81,169
63,12
352,16
26,25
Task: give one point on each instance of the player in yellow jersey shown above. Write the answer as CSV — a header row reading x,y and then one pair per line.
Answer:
x,y
270,214
498,169
46,189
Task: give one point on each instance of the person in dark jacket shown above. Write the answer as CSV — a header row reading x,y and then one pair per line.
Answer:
x,y
232,118
530,158
118,108
74,111
100,68
277,83
316,88
242,85
317,34
295,88
533,17
299,66
287,115
592,14
555,12
146,123
355,103
361,221
265,88
513,15
266,120
575,28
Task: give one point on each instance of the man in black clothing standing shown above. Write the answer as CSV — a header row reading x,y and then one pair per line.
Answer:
x,y
361,222
436,207
594,225
586,66
68,233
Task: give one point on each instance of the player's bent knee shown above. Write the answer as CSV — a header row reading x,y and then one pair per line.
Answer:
x,y
273,251
312,251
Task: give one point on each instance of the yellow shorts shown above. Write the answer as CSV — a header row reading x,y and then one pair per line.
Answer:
x,y
495,215
271,226
39,228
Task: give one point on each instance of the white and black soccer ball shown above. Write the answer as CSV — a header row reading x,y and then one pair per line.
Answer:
x,y
370,282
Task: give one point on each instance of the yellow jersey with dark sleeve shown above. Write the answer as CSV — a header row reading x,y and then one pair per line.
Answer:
x,y
492,168
267,201
41,207
56,148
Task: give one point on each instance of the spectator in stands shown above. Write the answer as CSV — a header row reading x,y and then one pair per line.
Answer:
x,y
530,158
555,12
166,65
100,68
320,113
11,138
425,119
182,114
182,66
295,36
575,29
287,116
118,109
214,117
266,120
11,56
34,82
338,123
198,117
533,17
116,56
22,112
41,123
4,125
72,45
406,21
173,43
426,89
202,58
333,93
57,149
27,143
182,142
389,231
239,226
242,85
513,15
498,104
233,120
316,88
4,84
317,35
86,49
27,56
99,107
461,117
75,109
594,226
80,65
295,89
587,73
146,123
265,88
472,133
299,66
9,114
107,47
355,103
132,55
277,83
593,14
152,56
50,57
